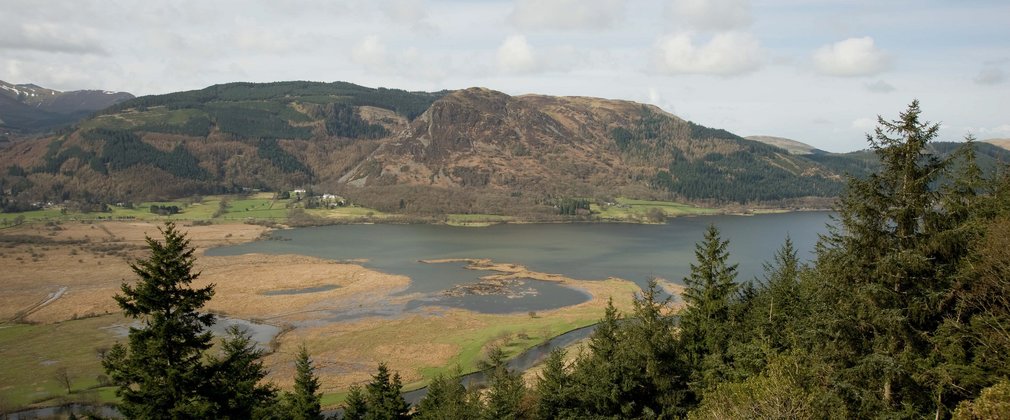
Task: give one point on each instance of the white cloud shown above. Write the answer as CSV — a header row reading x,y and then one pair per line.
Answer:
x,y
515,55
851,57
710,15
991,132
990,76
409,12
655,97
879,86
369,52
261,41
865,124
567,14
49,37
726,54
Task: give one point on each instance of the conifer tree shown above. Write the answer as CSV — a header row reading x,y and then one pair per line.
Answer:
x,y
506,390
653,355
554,388
447,399
885,272
384,396
355,405
604,340
160,374
234,384
704,327
779,302
599,376
304,401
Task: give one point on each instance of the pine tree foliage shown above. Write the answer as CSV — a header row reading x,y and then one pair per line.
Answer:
x,y
448,399
355,405
160,374
896,261
304,400
554,388
235,387
506,390
704,322
383,396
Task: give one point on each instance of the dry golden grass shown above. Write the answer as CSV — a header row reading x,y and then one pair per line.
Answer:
x,y
418,344
91,269
241,283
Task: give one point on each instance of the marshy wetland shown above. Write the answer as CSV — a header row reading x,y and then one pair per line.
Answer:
x,y
426,299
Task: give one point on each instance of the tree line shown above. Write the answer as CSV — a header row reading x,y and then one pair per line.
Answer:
x,y
904,312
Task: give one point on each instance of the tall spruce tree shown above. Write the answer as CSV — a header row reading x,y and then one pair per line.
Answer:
x,y
506,390
778,302
304,401
601,377
885,272
160,373
554,388
384,396
448,399
704,321
653,353
234,384
355,405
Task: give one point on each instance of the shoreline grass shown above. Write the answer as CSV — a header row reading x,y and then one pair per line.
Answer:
x,y
265,207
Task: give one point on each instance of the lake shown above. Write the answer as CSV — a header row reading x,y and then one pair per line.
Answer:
x,y
587,251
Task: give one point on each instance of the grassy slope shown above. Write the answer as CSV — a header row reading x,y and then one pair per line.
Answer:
x,y
260,206
472,334
626,209
33,353
263,206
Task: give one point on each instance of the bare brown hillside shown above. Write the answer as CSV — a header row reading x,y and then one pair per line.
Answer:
x,y
472,151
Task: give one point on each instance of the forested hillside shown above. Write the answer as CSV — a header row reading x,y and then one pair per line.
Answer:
x,y
468,151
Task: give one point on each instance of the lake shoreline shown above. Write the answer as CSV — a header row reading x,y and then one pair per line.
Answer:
x,y
397,219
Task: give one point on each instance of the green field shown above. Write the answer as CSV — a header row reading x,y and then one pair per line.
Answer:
x,y
238,208
153,115
476,220
625,209
263,206
349,212
513,334
34,354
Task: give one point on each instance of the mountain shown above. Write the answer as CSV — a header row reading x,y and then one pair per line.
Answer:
x,y
583,147
1003,143
467,151
31,108
792,146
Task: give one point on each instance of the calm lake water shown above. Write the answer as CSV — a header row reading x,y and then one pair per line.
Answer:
x,y
583,251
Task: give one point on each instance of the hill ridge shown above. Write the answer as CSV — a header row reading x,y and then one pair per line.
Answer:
x,y
473,150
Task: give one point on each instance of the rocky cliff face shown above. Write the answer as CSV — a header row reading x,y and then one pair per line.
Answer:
x,y
482,138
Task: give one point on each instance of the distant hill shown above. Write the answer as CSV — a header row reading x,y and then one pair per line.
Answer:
x,y
468,151
1004,143
791,146
31,108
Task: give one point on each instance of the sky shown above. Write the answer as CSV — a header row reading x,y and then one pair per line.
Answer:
x,y
815,71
